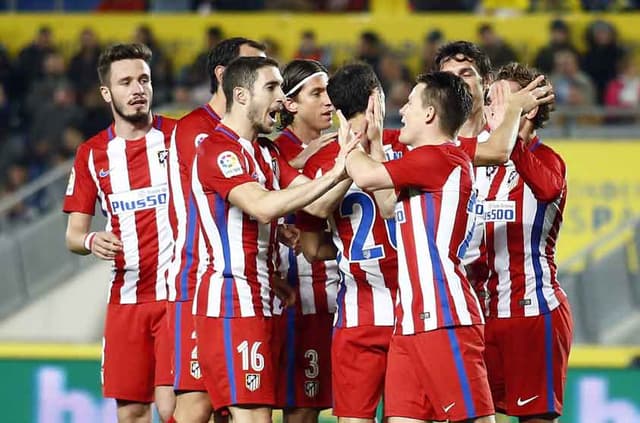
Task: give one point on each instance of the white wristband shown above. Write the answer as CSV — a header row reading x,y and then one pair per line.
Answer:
x,y
88,240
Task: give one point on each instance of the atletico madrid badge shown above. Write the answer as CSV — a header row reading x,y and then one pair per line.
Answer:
x,y
252,381
195,369
311,388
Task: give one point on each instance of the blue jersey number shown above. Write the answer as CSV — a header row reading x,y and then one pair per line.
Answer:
x,y
357,250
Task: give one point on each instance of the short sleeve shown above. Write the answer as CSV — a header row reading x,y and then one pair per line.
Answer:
x,y
287,172
322,161
288,149
422,168
81,193
469,146
221,166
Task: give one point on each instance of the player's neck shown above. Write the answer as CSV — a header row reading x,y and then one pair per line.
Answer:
x,y
527,133
432,137
358,122
474,125
132,131
305,133
218,103
237,121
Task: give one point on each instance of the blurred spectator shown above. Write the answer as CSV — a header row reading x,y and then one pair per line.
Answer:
x,y
603,54
16,176
290,5
572,87
397,83
42,89
97,113
309,49
83,65
495,47
29,64
624,90
273,49
196,73
56,114
560,39
370,49
161,68
432,42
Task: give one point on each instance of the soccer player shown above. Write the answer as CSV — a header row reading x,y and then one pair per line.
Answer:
x,y
435,366
529,327
124,167
305,373
241,186
366,254
488,138
189,260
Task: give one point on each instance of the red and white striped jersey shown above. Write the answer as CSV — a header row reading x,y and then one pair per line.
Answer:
x,y
190,255
434,220
129,177
316,284
237,281
367,256
523,214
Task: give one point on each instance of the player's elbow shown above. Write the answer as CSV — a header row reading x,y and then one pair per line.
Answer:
x,y
365,180
387,212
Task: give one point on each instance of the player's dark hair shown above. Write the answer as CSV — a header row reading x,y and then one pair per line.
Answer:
x,y
350,87
450,97
243,72
293,74
464,51
119,52
224,52
523,76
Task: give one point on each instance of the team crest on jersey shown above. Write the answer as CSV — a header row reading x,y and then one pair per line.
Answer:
x,y
199,138
72,182
252,381
194,369
512,180
490,170
274,166
162,156
311,388
229,164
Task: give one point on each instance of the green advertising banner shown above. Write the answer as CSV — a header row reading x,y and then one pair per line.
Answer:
x,y
68,391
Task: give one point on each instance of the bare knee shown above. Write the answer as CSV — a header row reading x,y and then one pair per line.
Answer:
x,y
300,415
193,407
133,412
165,401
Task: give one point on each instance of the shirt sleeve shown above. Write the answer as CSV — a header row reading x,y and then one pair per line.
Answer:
x,y
221,166
542,170
287,173
420,168
321,162
469,146
82,191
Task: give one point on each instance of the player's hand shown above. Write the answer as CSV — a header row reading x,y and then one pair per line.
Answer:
x,y
312,148
532,96
375,119
106,245
289,235
348,140
283,291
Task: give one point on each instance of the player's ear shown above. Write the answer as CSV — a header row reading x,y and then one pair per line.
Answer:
x,y
430,114
240,95
218,71
105,93
532,113
291,105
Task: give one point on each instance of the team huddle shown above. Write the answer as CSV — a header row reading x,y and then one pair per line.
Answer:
x,y
327,270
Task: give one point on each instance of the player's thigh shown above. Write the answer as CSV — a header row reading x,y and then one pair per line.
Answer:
x,y
405,384
237,360
308,363
494,360
459,389
187,375
128,366
358,362
536,362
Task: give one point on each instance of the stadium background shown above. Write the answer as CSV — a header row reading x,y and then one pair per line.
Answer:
x,y
50,364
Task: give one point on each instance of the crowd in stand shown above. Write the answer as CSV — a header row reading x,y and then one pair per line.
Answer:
x,y
49,105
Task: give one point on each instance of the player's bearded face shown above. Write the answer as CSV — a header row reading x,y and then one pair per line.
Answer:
x,y
130,90
266,100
